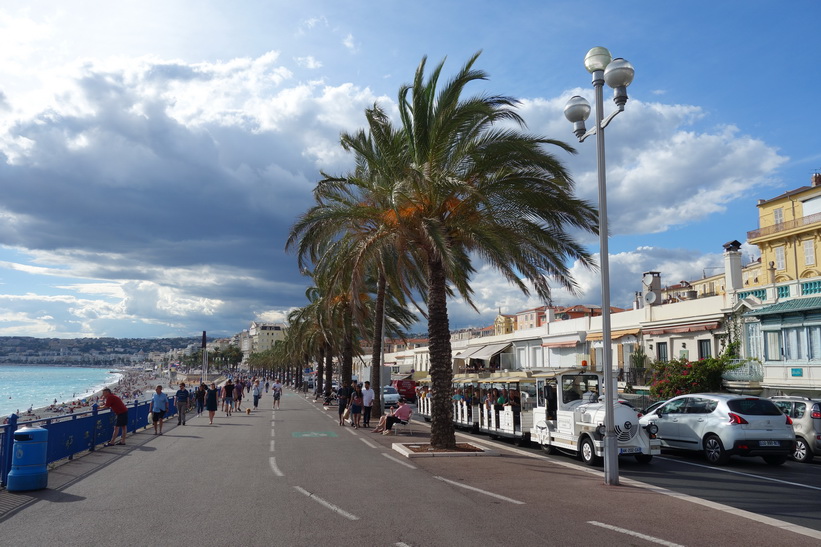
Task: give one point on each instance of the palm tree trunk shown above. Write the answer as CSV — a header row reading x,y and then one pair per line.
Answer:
x,y
442,431
347,345
320,369
329,368
378,337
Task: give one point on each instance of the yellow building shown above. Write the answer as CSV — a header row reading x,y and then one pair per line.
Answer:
x,y
788,234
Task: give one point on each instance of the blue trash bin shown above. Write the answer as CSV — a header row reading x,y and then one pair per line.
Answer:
x,y
28,463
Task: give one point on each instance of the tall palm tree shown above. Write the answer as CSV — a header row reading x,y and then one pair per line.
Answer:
x,y
474,185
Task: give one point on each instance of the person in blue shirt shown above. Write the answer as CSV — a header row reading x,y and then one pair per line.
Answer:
x,y
157,408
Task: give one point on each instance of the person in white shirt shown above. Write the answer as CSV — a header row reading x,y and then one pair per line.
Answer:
x,y
367,402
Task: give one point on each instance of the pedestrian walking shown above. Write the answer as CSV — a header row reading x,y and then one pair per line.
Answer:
x,y
120,411
228,397
211,402
367,404
343,397
257,394
182,400
356,407
277,390
199,396
238,393
158,407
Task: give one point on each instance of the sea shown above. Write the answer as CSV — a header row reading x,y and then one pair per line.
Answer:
x,y
35,386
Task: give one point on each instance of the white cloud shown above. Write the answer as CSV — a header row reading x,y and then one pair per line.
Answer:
x,y
308,62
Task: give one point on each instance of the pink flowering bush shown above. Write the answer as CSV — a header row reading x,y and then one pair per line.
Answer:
x,y
679,376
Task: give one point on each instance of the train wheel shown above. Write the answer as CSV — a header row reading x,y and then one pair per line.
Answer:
x,y
587,452
644,458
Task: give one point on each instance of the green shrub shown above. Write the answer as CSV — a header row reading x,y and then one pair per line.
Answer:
x,y
680,376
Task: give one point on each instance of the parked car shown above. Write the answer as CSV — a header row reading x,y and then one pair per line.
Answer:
x,y
806,420
389,396
721,425
406,388
652,407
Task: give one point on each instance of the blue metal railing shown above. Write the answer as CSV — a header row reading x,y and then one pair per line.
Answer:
x,y
71,434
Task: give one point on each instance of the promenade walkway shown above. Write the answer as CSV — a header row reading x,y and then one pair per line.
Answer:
x,y
294,477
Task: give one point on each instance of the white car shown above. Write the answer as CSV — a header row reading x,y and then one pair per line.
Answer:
x,y
390,396
722,425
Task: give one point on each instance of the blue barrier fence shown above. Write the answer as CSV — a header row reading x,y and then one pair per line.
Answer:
x,y
71,434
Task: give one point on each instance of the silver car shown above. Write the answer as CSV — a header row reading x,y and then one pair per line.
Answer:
x,y
721,425
390,396
806,420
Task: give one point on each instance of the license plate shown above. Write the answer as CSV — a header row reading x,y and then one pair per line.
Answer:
x,y
769,443
631,450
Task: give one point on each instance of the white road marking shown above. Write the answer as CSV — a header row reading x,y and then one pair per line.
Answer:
x,y
272,445
329,505
725,470
273,462
369,443
400,544
497,496
273,432
645,537
397,460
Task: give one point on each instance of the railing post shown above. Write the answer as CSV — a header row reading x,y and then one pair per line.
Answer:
x,y
8,442
94,413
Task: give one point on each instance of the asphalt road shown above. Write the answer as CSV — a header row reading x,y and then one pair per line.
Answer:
x,y
294,477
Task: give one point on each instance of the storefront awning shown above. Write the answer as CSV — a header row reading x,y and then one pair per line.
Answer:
x,y
489,351
571,344
679,329
467,352
593,336
789,306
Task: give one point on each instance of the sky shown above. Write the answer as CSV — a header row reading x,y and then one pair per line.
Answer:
x,y
154,154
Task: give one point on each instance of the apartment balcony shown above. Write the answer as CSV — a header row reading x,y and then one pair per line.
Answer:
x,y
784,227
746,378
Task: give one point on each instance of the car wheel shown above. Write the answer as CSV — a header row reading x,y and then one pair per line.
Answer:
x,y
550,449
714,450
644,458
802,452
587,452
775,460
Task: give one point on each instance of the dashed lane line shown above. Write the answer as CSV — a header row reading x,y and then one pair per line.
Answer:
x,y
397,460
369,443
485,492
327,504
645,537
272,461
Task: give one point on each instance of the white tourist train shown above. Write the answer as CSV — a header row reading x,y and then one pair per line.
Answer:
x,y
560,410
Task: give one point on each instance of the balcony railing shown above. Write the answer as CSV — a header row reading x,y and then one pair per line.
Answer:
x,y
749,371
784,226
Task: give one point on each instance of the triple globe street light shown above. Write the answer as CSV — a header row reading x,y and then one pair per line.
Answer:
x,y
618,74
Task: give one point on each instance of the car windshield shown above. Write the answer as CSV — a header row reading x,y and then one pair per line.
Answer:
x,y
389,390
754,407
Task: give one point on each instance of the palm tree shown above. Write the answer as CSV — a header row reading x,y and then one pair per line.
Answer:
x,y
473,185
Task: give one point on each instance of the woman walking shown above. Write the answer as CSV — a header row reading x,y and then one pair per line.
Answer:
x,y
356,406
211,402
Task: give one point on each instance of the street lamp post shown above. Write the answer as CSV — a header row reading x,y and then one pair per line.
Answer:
x,y
618,74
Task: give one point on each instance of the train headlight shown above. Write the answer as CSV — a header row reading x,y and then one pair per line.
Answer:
x,y
652,429
601,430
